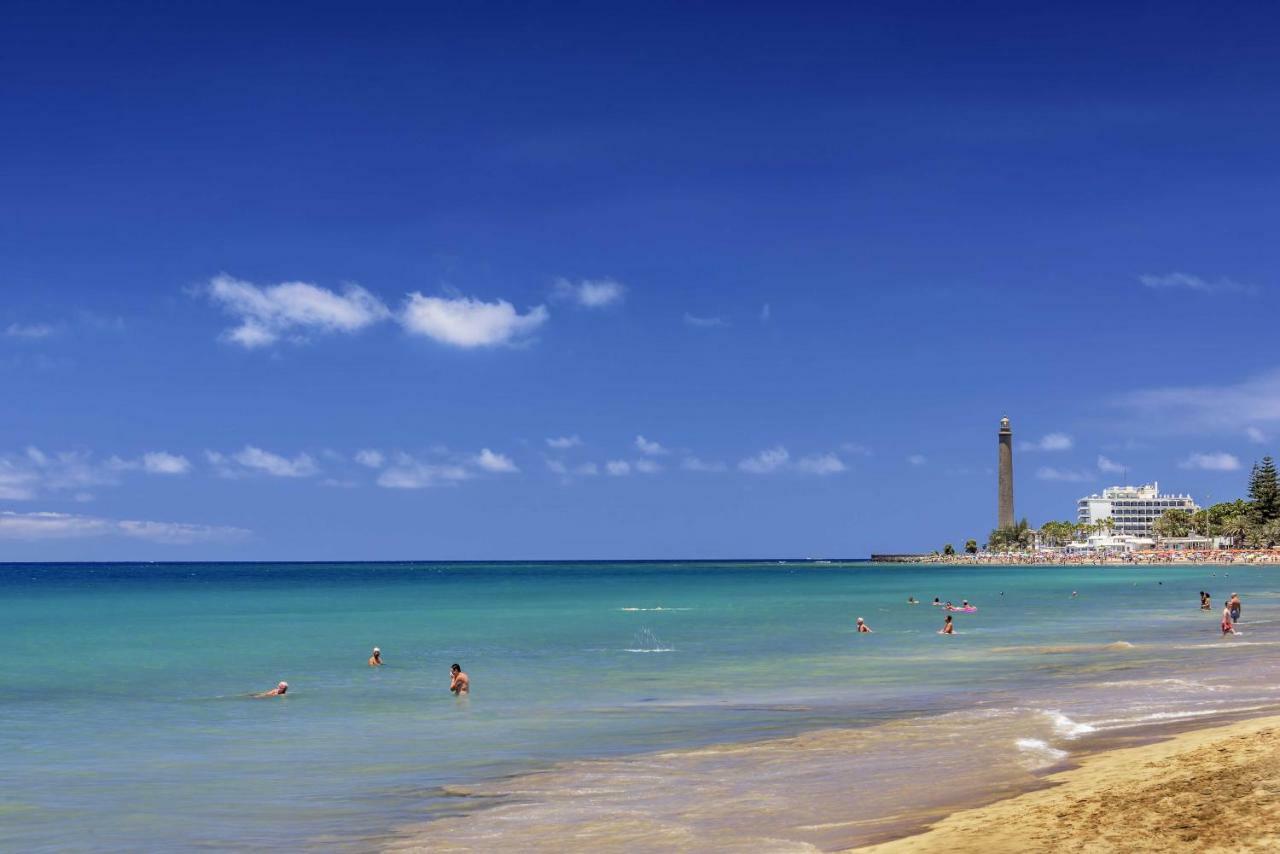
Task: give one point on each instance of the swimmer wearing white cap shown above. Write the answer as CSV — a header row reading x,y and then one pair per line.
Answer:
x,y
278,691
375,660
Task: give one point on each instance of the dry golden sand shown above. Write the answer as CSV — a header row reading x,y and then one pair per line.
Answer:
x,y
1215,789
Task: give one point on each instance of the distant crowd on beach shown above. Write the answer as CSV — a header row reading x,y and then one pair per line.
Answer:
x,y
1147,556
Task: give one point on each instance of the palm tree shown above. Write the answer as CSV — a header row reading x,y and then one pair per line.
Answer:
x,y
1236,527
971,547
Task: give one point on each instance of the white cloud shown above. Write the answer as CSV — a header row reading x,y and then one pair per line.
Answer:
x,y
1218,461
1109,465
273,464
765,313
917,459
618,468
587,470
1068,475
160,462
769,460
1189,282
28,330
820,464
696,464
651,448
590,293
1227,407
561,443
465,322
370,458
1050,442
61,526
1255,435
557,467
408,473
647,466
253,460
856,448
498,463
704,322
267,313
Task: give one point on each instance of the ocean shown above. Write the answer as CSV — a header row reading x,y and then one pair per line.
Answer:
x,y
646,706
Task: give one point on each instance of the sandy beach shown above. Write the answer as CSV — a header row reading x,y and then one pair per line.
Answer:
x,y
1214,789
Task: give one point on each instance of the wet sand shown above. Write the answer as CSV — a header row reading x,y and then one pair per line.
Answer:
x,y
1214,789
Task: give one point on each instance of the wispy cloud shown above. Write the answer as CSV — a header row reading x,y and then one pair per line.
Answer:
x,y
407,472
1049,442
917,459
768,460
618,468
291,308
1226,407
1069,475
778,459
35,472
1189,282
1110,466
649,447
160,462
29,330
370,458
590,293
646,466
704,322
1255,435
820,464
1217,461
495,463
254,460
766,313
469,323
701,465
561,443
62,526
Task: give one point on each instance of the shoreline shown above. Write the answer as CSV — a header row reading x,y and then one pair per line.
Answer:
x,y
1152,557
1215,787
1174,771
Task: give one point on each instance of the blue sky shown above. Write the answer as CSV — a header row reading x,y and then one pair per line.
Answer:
x,y
499,281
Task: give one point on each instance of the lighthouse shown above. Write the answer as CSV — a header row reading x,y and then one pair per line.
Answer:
x,y
1004,512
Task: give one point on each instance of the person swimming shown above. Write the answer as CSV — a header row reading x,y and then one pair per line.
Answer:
x,y
911,600
459,682
375,660
947,627
863,628
278,691
936,601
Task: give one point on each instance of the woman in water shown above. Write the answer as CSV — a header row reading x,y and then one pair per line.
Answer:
x,y
947,627
1228,628
863,628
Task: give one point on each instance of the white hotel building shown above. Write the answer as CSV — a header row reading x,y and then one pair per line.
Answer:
x,y
1134,508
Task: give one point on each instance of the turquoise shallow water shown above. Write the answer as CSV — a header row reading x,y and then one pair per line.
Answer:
x,y
124,725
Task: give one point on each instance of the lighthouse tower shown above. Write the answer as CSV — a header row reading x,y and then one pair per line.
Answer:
x,y
1004,513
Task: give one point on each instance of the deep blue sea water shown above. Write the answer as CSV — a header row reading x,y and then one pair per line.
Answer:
x,y
124,723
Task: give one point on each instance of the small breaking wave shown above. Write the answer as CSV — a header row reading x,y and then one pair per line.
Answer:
x,y
1066,727
1040,752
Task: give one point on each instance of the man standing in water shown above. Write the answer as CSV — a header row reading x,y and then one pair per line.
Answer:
x,y
459,684
375,660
